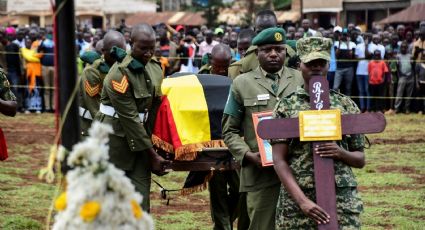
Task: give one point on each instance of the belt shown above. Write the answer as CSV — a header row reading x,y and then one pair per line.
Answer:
x,y
110,111
84,113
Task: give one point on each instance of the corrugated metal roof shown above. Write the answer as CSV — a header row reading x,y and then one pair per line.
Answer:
x,y
414,13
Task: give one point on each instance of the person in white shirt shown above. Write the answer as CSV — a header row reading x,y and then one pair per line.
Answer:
x,y
207,45
344,53
362,77
376,45
306,26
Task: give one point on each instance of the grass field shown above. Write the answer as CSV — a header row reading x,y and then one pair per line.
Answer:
x,y
392,184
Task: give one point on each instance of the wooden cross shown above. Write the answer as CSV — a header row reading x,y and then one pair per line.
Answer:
x,y
323,167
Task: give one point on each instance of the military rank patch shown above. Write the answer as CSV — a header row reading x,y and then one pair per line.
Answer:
x,y
91,90
120,87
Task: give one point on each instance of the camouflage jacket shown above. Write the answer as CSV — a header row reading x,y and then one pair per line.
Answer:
x,y
301,157
5,92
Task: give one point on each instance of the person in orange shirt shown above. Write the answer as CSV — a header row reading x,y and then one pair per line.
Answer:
x,y
33,73
377,69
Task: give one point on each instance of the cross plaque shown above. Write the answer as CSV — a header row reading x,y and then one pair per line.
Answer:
x,y
323,167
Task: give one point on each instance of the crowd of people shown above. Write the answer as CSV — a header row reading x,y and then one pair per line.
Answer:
x,y
356,68
122,72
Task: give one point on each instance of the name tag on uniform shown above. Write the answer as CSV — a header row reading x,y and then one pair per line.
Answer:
x,y
262,97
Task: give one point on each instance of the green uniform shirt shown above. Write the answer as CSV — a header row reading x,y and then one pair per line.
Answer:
x,y
90,89
252,92
349,204
5,92
131,88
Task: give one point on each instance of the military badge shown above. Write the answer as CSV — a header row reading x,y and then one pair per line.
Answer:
x,y
120,87
278,37
91,90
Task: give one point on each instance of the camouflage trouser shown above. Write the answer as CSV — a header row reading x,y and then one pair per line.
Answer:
x,y
290,216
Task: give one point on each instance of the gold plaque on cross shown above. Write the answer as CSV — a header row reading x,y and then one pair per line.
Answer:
x,y
320,125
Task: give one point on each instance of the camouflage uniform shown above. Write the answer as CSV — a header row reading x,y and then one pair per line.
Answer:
x,y
5,92
349,204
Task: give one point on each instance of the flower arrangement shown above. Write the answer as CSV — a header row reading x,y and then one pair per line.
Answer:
x,y
98,195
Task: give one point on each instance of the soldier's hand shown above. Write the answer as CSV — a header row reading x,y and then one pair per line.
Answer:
x,y
254,158
314,211
330,150
158,163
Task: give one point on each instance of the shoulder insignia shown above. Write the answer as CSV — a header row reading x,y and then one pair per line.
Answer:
x,y
6,83
91,90
120,87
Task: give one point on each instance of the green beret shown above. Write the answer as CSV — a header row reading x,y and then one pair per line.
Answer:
x,y
274,35
90,57
312,48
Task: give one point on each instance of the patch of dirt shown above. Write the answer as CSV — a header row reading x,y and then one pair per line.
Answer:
x,y
380,141
399,169
387,187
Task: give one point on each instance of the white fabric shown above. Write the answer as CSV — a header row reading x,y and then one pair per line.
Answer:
x,y
362,64
85,113
372,47
204,47
110,111
343,46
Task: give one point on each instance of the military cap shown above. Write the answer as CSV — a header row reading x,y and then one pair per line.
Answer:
x,y
90,56
274,35
118,53
312,48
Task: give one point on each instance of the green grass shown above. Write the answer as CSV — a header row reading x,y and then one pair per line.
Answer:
x,y
392,184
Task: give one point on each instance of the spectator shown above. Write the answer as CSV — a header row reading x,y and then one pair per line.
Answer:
x,y
14,67
419,46
207,45
244,42
406,81
420,80
34,95
20,41
47,47
344,52
306,26
375,45
362,77
377,69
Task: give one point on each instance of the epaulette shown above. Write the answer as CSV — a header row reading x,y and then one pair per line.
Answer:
x,y
251,49
90,56
205,69
118,54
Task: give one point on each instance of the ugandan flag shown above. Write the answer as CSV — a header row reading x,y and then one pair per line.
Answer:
x,y
189,117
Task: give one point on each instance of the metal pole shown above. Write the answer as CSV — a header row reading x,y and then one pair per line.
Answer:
x,y
66,70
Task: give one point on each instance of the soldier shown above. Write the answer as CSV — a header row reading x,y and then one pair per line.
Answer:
x,y
92,79
130,97
8,103
256,91
264,19
223,186
293,160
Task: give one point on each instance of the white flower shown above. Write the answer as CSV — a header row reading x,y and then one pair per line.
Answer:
x,y
93,178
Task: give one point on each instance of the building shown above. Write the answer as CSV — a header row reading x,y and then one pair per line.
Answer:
x,y
91,13
326,13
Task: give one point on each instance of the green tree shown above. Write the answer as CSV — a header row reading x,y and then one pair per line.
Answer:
x,y
212,11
